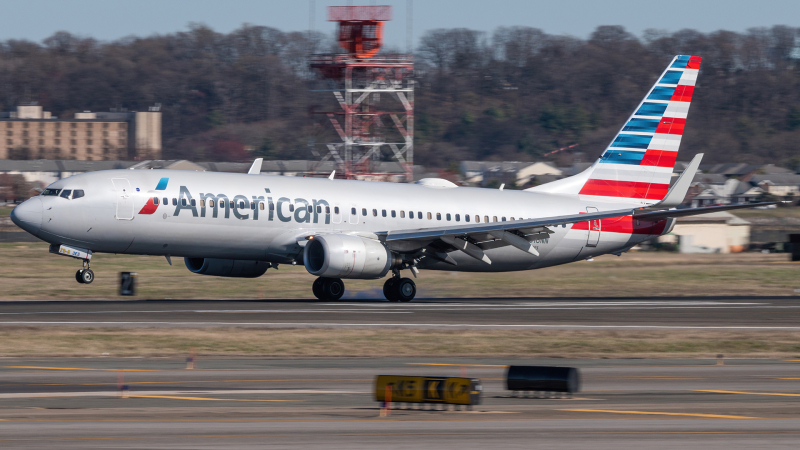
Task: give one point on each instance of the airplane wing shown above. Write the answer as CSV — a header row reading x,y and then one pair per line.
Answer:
x,y
475,238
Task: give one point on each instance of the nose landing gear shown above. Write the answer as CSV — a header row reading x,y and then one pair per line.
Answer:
x,y
85,275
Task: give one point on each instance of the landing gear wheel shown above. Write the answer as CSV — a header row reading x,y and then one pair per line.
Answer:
x,y
405,289
316,288
87,276
79,276
332,289
389,289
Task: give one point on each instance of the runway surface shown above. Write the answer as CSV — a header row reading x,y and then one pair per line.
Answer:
x,y
767,313
327,403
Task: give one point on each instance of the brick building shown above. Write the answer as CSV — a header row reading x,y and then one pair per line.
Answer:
x,y
31,133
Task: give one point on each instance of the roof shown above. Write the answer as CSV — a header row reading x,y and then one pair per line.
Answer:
x,y
48,165
781,179
709,178
719,216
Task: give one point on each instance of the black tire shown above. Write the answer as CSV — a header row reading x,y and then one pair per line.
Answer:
x,y
79,276
388,289
405,289
87,276
316,288
333,289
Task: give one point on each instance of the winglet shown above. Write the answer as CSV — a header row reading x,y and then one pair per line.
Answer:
x,y
255,169
678,190
330,177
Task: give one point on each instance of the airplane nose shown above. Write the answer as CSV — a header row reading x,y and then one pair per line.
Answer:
x,y
28,215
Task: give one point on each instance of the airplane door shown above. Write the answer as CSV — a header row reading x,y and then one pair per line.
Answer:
x,y
337,213
594,229
352,210
124,198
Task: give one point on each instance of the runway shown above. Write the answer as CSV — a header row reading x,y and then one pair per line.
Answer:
x,y
327,403
754,313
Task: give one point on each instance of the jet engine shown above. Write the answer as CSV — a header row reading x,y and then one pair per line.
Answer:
x,y
226,267
346,256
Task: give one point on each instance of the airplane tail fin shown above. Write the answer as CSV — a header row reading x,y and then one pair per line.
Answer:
x,y
638,163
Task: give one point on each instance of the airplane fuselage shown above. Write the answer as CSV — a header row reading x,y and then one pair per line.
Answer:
x,y
266,218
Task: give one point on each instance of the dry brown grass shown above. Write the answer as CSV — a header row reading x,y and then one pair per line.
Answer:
x,y
48,341
28,271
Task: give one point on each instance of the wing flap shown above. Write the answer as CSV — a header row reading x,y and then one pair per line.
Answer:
x,y
656,215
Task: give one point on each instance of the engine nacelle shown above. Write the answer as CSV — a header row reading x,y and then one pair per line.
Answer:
x,y
346,256
226,267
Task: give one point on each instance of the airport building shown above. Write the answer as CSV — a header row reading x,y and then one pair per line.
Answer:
x,y
31,133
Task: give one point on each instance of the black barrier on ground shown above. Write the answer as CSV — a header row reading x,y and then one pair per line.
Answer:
x,y
446,390
543,379
127,283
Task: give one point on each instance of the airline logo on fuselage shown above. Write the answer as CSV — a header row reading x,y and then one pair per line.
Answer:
x,y
240,207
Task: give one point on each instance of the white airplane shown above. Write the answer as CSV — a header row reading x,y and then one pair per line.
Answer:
x,y
240,225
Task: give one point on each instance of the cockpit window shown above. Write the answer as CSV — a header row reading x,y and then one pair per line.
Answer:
x,y
77,193
51,192
65,193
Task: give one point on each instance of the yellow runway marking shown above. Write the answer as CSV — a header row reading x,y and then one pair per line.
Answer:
x,y
457,365
655,413
172,397
779,394
78,368
532,433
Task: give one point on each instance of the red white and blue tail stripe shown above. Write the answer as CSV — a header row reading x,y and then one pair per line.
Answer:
x,y
638,163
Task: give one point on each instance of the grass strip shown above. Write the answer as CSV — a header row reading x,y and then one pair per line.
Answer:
x,y
153,342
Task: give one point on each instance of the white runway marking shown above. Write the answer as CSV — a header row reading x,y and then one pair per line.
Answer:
x,y
192,392
395,325
222,311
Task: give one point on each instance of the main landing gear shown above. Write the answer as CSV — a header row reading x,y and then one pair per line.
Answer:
x,y
85,275
398,289
328,289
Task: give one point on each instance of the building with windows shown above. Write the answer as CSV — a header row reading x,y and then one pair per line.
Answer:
x,y
31,133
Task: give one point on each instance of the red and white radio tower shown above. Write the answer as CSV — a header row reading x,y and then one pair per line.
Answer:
x,y
357,79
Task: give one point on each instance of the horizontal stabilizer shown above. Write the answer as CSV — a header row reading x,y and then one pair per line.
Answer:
x,y
657,215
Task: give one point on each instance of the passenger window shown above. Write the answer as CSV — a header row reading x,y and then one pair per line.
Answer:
x,y
241,204
291,208
411,214
336,210
486,219
327,209
419,215
448,216
194,202
310,208
211,203
494,218
183,202
438,216
65,193
512,219
166,201
383,213
77,193
260,206
363,211
504,219
394,214
429,216
374,213
155,200
352,211
466,218
272,206
174,201
458,217
402,214
252,205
